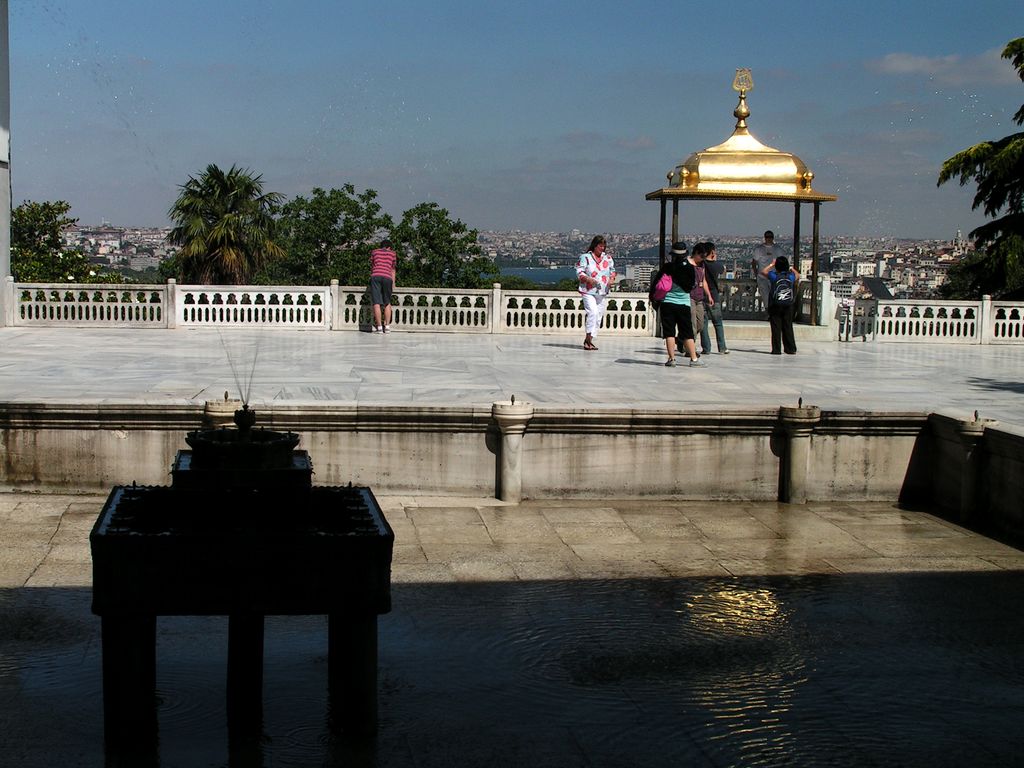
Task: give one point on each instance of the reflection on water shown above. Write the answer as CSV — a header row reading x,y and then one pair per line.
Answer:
x,y
735,609
817,670
747,703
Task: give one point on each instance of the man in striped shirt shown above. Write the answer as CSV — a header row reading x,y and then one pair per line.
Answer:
x,y
382,282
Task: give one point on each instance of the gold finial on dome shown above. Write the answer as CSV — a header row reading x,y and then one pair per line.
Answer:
x,y
743,82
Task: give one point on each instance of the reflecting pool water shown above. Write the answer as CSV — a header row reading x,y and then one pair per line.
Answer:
x,y
921,669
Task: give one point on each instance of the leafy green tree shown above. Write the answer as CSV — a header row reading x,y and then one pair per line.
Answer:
x,y
436,252
170,268
327,236
997,168
224,226
983,272
568,284
38,253
516,283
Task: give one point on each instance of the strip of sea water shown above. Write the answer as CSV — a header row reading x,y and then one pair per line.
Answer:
x,y
540,275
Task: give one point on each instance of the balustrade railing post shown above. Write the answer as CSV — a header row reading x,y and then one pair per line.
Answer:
x,y
496,311
335,309
7,301
826,314
171,305
986,320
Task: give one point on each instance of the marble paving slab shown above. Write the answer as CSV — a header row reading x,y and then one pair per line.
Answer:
x,y
59,365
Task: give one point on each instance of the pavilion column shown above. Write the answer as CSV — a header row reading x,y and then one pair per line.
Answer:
x,y
661,236
798,424
814,265
7,301
796,236
512,419
675,222
6,297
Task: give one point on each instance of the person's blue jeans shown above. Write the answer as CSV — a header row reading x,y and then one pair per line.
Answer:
x,y
712,316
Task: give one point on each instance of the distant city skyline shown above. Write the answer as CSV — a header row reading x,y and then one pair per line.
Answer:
x,y
538,117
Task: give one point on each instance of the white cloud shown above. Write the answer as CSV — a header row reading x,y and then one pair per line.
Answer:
x,y
987,68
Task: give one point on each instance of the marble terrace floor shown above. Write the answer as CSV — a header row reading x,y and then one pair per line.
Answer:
x,y
297,367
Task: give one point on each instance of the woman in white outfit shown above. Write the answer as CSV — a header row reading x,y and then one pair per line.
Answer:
x,y
596,273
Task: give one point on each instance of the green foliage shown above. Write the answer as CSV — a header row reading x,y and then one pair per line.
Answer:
x,y
38,254
987,272
568,284
436,252
516,283
147,275
170,268
224,226
328,236
997,168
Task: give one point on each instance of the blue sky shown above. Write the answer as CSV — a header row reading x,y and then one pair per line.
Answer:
x,y
528,115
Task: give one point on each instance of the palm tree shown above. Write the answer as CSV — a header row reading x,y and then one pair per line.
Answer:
x,y
224,226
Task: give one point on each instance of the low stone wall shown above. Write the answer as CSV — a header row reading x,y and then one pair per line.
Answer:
x,y
793,454
89,447
972,472
1002,487
861,455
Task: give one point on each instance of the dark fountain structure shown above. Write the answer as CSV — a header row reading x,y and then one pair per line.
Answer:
x,y
242,532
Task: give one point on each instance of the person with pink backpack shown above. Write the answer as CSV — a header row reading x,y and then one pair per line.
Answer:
x,y
676,322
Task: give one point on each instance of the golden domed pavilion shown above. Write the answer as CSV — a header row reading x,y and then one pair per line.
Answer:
x,y
742,168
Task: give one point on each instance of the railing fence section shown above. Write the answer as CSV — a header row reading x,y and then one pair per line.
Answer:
x,y
82,304
251,306
1007,322
487,310
626,314
920,320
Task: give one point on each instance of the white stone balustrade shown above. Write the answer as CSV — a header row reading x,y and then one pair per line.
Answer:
x,y
627,314
456,310
92,305
1007,322
251,306
928,321
442,309
487,310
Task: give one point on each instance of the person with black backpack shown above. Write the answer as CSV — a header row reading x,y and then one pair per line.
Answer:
x,y
782,280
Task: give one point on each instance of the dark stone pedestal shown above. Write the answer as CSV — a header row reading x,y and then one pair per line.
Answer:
x,y
245,554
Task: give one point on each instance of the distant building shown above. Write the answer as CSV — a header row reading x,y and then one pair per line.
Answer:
x,y
959,244
843,290
640,274
874,288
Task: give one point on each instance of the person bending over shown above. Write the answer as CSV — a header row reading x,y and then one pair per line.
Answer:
x,y
676,321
